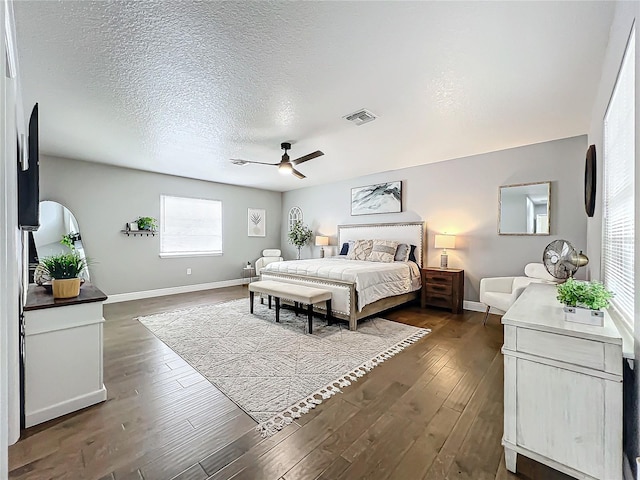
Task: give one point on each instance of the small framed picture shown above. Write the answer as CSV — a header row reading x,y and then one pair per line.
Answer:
x,y
257,221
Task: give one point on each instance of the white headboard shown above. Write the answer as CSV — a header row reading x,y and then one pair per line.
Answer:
x,y
411,233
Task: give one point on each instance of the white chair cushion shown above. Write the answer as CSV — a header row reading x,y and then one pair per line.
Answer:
x,y
537,270
271,252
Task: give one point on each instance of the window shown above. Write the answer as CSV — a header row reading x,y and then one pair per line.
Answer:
x,y
618,188
190,226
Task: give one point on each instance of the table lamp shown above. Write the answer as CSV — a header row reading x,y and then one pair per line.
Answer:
x,y
322,241
445,241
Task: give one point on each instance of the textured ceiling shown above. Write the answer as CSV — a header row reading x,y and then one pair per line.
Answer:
x,y
182,87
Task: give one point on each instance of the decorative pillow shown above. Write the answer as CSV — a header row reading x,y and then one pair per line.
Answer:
x,y
412,254
361,250
383,251
346,246
402,253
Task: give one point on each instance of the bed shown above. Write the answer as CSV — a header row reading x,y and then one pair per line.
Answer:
x,y
360,288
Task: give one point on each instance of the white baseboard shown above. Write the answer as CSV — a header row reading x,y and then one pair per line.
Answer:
x,y
62,408
479,307
161,292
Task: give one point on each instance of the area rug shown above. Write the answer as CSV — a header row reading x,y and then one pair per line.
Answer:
x,y
276,372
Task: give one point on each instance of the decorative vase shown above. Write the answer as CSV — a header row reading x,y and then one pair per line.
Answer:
x,y
66,288
585,316
133,226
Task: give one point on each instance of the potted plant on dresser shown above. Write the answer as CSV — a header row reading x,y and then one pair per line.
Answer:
x,y
64,270
584,301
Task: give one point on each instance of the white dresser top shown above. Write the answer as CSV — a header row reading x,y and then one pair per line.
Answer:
x,y
538,309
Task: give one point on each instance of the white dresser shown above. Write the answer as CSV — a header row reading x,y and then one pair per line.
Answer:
x,y
562,389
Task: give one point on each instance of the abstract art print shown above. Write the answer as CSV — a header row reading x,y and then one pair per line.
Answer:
x,y
379,198
257,220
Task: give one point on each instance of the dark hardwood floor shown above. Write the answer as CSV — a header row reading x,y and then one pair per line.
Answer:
x,y
432,412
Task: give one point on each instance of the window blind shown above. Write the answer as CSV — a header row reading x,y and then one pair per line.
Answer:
x,y
190,226
618,188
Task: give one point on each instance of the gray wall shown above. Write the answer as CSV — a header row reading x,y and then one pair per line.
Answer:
x,y
104,198
461,197
626,13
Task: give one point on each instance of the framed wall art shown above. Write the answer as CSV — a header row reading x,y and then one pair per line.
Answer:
x,y
379,198
257,221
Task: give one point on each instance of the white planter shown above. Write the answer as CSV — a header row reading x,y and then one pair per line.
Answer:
x,y
584,316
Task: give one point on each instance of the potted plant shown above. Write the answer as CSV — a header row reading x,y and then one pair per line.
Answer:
x,y
299,235
584,301
147,223
64,270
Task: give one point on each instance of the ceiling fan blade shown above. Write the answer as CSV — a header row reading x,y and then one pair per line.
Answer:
x,y
297,174
237,161
310,156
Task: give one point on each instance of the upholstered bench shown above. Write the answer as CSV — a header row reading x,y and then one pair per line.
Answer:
x,y
295,293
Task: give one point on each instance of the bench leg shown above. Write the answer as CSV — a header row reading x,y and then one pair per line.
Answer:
x,y
310,317
261,300
295,307
329,317
269,302
251,294
277,309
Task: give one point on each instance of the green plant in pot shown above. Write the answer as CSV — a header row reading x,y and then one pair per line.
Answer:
x,y
147,223
64,270
299,235
584,301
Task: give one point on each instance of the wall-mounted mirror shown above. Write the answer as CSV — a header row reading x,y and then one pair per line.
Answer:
x,y
524,209
56,222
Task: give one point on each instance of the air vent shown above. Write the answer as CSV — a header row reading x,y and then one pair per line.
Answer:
x,y
361,117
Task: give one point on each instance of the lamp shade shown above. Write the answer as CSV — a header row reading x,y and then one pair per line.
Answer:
x,y
445,241
322,241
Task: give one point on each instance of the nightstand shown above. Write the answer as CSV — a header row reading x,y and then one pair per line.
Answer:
x,y
442,287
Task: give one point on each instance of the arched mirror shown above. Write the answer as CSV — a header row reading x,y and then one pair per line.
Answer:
x,y
58,233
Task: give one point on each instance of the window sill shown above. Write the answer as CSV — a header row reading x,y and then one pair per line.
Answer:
x,y
186,255
624,329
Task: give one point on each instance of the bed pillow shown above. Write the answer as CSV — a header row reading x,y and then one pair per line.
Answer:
x,y
402,253
383,251
361,250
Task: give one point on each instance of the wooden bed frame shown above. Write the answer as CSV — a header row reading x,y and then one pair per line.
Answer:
x,y
404,232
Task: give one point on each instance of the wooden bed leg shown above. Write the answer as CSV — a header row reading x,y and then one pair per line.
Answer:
x,y
251,294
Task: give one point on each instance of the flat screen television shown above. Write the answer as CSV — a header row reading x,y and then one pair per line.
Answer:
x,y
29,180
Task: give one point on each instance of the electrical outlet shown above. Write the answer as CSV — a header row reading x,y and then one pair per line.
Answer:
x,y
188,271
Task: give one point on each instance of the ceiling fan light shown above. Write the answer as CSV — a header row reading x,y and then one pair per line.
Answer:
x,y
285,168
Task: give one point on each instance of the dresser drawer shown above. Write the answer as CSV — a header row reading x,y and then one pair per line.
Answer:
x,y
438,289
436,300
577,351
440,278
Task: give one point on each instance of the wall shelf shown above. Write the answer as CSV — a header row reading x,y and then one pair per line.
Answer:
x,y
139,232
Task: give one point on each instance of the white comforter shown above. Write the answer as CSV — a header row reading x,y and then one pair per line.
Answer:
x,y
373,280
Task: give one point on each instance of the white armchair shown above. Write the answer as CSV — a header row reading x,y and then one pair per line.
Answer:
x,y
269,255
501,292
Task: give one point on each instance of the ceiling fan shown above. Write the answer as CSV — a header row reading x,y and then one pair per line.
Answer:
x,y
285,166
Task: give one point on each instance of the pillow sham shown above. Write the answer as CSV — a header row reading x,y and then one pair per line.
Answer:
x,y
383,251
361,250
